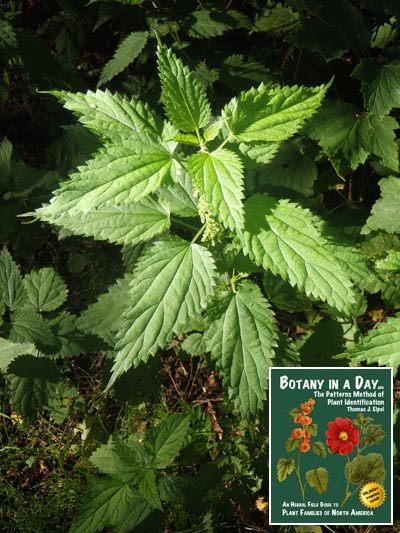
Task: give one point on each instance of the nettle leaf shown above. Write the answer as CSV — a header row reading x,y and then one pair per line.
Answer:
x,y
28,394
28,326
105,503
127,223
185,99
46,290
219,178
271,113
290,169
29,366
112,116
281,236
165,440
385,211
10,351
8,39
241,341
117,174
345,133
103,318
381,346
173,282
382,93
12,290
214,22
127,51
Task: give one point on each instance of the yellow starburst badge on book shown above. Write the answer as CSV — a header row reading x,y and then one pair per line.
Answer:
x,y
372,494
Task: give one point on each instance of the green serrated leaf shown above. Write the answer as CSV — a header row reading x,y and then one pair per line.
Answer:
x,y
241,341
117,174
29,366
194,344
113,116
372,434
10,350
271,113
180,195
382,93
184,97
284,468
46,290
206,23
127,51
345,133
219,178
28,394
127,223
362,468
147,488
282,237
28,326
106,503
8,38
384,213
381,346
290,169
12,290
173,283
165,440
319,449
103,318
318,479
390,263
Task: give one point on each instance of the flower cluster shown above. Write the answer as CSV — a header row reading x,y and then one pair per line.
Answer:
x,y
342,436
302,418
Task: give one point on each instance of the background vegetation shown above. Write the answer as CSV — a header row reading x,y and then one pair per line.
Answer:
x,y
64,285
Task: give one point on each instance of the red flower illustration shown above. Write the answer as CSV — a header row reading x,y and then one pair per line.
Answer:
x,y
342,436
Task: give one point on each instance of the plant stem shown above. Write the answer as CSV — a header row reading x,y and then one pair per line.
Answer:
x,y
302,488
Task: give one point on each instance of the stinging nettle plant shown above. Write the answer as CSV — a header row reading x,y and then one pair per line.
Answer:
x,y
174,193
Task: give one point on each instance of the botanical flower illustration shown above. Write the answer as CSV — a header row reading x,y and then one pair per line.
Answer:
x,y
301,440
342,436
345,436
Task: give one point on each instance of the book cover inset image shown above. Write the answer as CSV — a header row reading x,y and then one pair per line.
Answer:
x,y
330,446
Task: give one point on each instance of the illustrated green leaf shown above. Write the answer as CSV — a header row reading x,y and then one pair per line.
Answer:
x,y
372,434
271,113
184,97
318,479
127,51
219,178
319,449
10,350
165,440
241,341
384,213
103,318
117,174
292,444
106,503
282,237
364,468
173,282
12,291
46,290
381,346
284,468
126,223
113,116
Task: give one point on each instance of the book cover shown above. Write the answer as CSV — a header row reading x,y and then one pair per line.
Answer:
x,y
331,445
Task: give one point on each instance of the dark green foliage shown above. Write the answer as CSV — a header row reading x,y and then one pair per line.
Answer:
x,y
220,195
